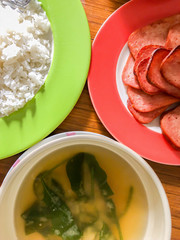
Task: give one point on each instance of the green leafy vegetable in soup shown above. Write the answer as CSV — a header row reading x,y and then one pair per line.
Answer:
x,y
88,213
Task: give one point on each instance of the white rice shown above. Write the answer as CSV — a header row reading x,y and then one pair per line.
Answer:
x,y
25,55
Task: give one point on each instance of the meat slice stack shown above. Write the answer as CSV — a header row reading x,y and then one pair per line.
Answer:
x,y
154,34
152,72
170,67
170,125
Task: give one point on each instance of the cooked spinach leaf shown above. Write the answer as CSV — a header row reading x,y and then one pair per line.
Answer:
x,y
62,220
57,188
37,219
74,169
99,175
50,182
53,209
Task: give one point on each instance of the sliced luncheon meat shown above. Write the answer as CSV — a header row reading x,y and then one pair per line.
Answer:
x,y
145,117
145,52
173,38
170,67
143,102
128,76
152,75
142,78
152,34
155,77
170,125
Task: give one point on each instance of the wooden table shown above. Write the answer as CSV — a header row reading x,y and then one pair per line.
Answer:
x,y
84,118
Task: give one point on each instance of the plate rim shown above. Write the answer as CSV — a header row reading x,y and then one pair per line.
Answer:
x,y
98,94
21,129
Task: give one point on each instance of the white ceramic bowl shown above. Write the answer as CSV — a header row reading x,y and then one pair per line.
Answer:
x,y
158,218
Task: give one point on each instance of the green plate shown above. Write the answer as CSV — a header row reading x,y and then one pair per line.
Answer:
x,y
63,85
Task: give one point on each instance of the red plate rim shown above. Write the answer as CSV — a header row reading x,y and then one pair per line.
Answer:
x,y
104,95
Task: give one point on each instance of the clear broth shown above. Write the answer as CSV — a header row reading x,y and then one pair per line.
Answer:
x,y
120,177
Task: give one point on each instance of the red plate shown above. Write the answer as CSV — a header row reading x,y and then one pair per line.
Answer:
x,y
102,81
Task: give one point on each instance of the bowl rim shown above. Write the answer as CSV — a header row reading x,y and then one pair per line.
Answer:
x,y
56,139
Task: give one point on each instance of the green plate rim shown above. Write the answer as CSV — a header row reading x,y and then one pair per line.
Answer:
x,y
64,83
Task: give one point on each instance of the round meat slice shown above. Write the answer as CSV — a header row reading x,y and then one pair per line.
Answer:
x,y
170,125
145,52
145,117
173,38
154,75
152,34
128,76
170,67
144,102
142,78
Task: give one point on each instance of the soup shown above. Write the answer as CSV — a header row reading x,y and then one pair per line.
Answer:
x,y
100,196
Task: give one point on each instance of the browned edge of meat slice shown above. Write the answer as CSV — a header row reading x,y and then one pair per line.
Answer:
x,y
128,76
144,102
145,117
154,33
170,125
154,75
173,37
142,78
144,52
170,67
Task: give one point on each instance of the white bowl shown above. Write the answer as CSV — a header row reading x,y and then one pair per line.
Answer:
x,y
157,224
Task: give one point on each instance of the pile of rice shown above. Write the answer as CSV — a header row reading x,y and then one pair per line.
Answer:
x,y
25,55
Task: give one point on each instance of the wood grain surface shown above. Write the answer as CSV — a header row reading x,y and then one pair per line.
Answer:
x,y
84,118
